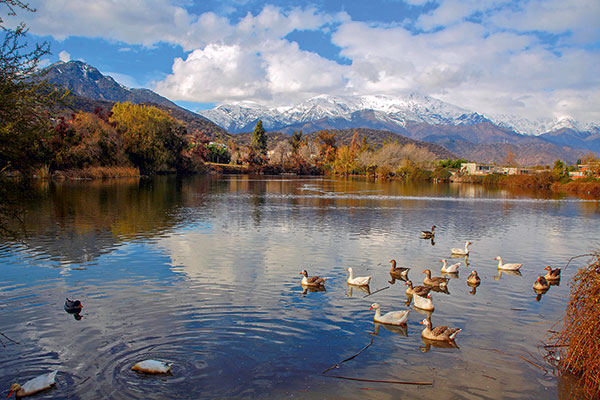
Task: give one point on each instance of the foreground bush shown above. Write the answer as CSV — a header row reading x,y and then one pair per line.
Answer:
x,y
578,345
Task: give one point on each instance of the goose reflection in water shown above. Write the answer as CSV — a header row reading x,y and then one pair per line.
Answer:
x,y
426,313
400,278
540,293
437,343
450,275
506,272
401,330
306,289
364,289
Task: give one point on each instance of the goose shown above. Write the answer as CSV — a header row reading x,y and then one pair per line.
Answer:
x,y
418,290
508,267
359,280
398,271
449,269
473,279
34,385
152,367
428,234
73,306
435,281
552,274
439,332
541,284
391,318
462,252
313,280
424,303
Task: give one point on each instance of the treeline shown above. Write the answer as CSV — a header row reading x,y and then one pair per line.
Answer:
x,y
323,155
129,139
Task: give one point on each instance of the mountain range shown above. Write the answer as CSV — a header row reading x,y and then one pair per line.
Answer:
x,y
468,134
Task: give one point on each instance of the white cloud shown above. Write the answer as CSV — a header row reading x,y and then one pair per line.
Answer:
x,y
533,58
64,56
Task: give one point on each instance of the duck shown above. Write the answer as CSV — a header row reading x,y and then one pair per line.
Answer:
x,y
313,280
418,290
359,280
33,386
152,367
462,252
424,303
473,278
398,271
435,281
73,306
449,269
508,267
428,234
391,318
439,332
541,284
552,274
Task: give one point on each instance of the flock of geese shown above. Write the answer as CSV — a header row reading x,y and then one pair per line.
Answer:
x,y
441,336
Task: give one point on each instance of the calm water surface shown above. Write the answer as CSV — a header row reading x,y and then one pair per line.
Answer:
x,y
204,272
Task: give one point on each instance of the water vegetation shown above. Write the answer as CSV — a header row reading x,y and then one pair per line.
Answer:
x,y
576,346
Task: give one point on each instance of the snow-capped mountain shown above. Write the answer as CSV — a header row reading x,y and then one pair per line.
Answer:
x,y
388,111
242,116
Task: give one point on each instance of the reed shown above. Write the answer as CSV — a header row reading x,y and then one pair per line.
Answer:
x,y
103,172
43,172
577,344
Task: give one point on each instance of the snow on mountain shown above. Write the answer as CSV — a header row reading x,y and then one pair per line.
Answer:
x,y
238,117
242,116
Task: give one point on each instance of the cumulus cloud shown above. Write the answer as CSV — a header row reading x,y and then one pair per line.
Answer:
x,y
64,56
534,58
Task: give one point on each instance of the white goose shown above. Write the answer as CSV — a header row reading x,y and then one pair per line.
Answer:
x,y
152,367
462,252
424,303
452,269
390,318
34,385
508,267
359,280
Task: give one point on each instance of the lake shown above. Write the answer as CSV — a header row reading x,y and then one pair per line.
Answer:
x,y
203,271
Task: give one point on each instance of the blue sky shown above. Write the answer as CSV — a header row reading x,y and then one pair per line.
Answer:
x,y
535,58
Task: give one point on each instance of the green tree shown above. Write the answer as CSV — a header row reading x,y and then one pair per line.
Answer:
x,y
559,170
24,98
259,139
295,141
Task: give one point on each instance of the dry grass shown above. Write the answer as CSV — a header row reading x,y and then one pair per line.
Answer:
x,y
102,173
590,188
578,344
42,172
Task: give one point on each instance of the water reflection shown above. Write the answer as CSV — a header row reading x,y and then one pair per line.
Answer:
x,y
440,344
364,289
506,272
203,271
401,330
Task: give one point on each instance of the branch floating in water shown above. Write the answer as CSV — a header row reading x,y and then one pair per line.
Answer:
x,y
349,358
14,341
377,291
532,363
380,381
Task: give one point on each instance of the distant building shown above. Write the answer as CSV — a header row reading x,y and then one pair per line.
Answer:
x,y
478,169
584,171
